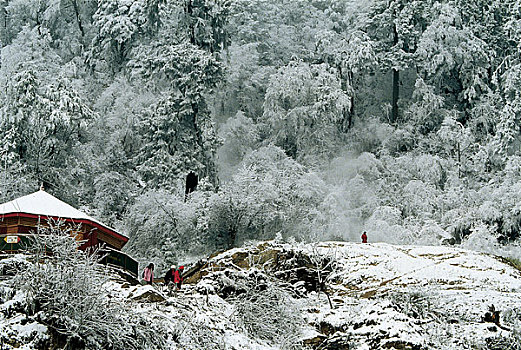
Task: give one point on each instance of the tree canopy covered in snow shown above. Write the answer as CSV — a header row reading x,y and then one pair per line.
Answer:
x,y
306,120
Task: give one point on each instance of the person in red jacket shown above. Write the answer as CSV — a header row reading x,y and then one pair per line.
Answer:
x,y
178,277
364,237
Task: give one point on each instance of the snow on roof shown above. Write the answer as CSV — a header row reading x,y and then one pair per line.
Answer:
x,y
45,204
42,203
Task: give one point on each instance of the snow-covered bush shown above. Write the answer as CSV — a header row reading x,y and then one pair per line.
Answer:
x,y
512,318
431,233
386,213
263,308
350,201
270,193
271,315
113,195
344,222
458,221
165,228
416,303
194,333
369,136
63,288
400,140
15,181
481,239
368,166
303,108
420,199
240,135
362,196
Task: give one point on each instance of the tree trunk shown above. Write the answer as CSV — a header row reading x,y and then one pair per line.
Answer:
x,y
346,84
396,84
5,35
352,107
78,18
191,24
396,94
232,237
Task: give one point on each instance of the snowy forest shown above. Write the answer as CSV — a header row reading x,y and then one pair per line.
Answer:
x,y
305,121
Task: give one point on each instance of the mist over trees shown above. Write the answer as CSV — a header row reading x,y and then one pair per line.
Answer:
x,y
305,120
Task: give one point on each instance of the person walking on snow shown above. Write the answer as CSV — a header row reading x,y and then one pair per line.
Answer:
x,y
169,278
178,277
148,274
364,237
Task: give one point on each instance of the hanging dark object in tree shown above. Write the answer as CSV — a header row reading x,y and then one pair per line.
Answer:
x,y
191,183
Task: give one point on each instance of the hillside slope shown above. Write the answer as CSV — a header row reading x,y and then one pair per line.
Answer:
x,y
332,295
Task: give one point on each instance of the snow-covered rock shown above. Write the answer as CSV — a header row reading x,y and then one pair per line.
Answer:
x,y
147,293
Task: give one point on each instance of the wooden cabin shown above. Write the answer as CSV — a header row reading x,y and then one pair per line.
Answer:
x,y
22,217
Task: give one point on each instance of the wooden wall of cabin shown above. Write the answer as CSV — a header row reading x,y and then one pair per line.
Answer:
x,y
9,225
19,225
95,236
110,240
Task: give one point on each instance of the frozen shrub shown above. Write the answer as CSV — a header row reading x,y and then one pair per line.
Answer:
x,y
480,239
420,199
489,212
368,166
269,314
512,318
167,229
432,234
416,304
362,197
429,169
388,214
196,335
64,289
370,136
381,231
400,140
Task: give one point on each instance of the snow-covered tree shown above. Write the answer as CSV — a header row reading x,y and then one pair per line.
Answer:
x,y
396,27
351,55
452,57
270,193
46,123
176,137
118,25
303,109
240,137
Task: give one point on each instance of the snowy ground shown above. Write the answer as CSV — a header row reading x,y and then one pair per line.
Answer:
x,y
450,289
383,296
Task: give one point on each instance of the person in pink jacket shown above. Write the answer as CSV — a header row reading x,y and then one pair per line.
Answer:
x,y
148,274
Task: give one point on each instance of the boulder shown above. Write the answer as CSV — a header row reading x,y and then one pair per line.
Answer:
x,y
148,294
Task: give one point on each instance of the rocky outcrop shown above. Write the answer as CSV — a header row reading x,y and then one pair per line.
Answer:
x,y
371,296
290,266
